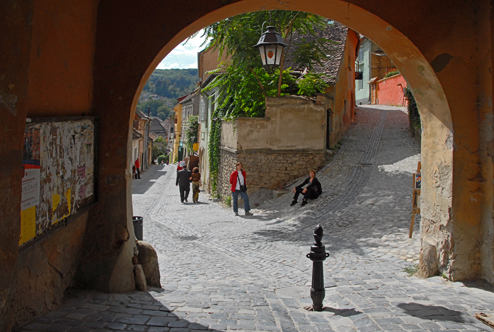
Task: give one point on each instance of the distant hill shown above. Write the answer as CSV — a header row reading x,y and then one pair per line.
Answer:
x,y
164,87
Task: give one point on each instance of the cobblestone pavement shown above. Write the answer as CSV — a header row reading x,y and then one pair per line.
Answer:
x,y
249,273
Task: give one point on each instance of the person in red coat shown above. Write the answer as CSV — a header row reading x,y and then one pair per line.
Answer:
x,y
137,165
238,180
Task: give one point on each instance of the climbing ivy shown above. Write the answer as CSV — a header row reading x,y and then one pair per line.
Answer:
x,y
214,150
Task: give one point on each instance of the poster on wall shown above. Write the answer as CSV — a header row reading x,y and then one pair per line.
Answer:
x,y
58,173
30,182
417,181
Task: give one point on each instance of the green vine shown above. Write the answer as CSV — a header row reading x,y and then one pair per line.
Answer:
x,y
192,132
214,151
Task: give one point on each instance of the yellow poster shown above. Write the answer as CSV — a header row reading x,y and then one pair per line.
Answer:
x,y
28,224
55,199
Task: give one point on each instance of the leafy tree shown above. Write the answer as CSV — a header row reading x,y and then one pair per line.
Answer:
x,y
153,106
165,109
168,84
159,147
235,36
171,83
162,116
248,91
244,85
162,158
311,84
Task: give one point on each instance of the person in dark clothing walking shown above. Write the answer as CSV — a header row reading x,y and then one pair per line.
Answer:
x,y
183,179
312,190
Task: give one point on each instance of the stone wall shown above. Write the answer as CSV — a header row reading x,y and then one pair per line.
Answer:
x,y
269,169
277,148
290,123
228,160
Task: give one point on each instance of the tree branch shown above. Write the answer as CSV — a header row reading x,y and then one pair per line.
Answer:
x,y
282,64
259,81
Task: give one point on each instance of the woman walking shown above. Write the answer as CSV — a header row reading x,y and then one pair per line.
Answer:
x,y
196,181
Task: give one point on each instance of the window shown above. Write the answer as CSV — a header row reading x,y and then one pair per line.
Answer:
x,y
360,55
202,110
360,83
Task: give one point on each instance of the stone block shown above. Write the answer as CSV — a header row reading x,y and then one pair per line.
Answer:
x,y
140,277
149,261
428,266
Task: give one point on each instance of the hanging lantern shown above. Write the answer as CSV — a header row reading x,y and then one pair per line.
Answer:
x,y
271,48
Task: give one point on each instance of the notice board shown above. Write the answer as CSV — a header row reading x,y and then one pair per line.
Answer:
x,y
58,179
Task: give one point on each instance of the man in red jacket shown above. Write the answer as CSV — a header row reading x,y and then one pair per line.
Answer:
x,y
137,165
238,180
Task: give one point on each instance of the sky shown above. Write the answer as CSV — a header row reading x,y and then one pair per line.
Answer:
x,y
184,55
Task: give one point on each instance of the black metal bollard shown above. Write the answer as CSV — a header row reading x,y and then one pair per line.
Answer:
x,y
317,255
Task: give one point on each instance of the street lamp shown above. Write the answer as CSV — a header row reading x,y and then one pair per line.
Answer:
x,y
271,47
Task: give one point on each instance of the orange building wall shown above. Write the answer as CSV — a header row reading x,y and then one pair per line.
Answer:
x,y
390,92
61,61
344,91
209,60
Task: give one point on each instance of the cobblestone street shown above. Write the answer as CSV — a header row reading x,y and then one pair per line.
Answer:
x,y
250,273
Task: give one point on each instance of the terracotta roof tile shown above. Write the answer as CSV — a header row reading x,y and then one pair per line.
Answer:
x,y
336,32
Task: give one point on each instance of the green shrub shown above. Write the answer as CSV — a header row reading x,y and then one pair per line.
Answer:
x,y
311,84
162,158
391,73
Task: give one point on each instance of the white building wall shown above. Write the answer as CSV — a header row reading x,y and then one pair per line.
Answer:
x,y
362,87
205,121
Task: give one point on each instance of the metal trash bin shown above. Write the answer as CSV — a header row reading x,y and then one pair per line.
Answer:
x,y
137,221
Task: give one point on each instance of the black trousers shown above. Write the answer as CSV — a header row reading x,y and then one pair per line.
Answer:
x,y
138,174
184,193
310,193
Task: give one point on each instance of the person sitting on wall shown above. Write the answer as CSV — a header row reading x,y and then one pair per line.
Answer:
x,y
312,190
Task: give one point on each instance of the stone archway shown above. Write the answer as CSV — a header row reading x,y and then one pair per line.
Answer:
x,y
437,148
446,218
